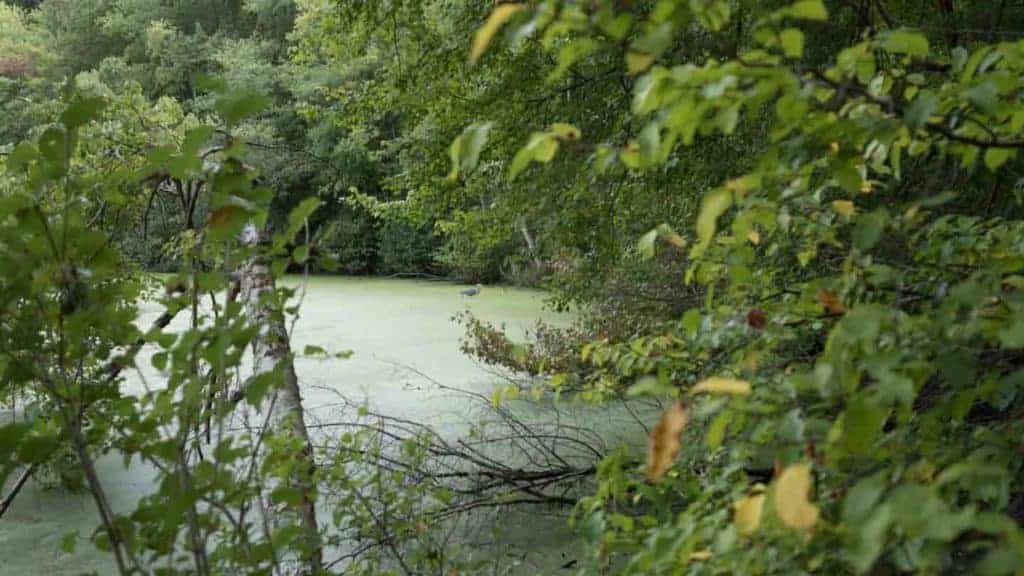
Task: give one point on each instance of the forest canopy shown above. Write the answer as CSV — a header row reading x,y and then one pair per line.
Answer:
x,y
794,229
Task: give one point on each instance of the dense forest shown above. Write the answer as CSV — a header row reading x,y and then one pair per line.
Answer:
x,y
790,234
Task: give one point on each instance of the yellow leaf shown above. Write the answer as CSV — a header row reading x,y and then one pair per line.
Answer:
x,y
754,237
746,513
791,498
865,187
501,14
718,385
637,62
675,240
744,184
700,555
844,207
834,147
715,204
663,445
565,131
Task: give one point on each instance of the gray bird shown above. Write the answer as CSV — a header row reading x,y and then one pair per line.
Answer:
x,y
472,291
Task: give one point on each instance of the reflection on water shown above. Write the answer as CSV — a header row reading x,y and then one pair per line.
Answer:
x,y
392,326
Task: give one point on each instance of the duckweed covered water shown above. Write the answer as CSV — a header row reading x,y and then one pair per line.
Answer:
x,y
394,327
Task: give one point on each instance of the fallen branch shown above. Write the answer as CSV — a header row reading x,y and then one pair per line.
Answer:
x,y
9,499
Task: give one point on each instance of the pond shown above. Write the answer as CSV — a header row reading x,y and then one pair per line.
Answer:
x,y
399,332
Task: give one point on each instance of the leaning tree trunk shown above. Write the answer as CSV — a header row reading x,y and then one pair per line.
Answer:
x,y
272,352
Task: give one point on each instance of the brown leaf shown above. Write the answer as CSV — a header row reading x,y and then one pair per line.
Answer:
x,y
223,216
756,318
831,302
15,66
663,445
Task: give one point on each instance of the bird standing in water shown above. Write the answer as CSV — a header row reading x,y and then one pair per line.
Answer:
x,y
472,291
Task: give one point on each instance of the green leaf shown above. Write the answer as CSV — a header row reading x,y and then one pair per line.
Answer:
x,y
712,14
868,539
68,542
465,149
691,321
313,350
921,109
235,107
159,361
849,177
996,157
81,112
22,155
300,214
650,141
279,266
809,10
717,429
862,421
101,539
869,230
285,494
541,148
36,448
256,388
10,438
195,139
646,244
905,42
328,263
571,53
52,146
301,253
1001,560
593,526
189,161
792,41
1012,336
984,96
863,498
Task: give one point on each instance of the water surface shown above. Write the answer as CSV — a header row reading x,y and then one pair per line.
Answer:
x,y
395,328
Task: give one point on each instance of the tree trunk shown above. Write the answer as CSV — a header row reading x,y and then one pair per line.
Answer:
x,y
530,244
272,352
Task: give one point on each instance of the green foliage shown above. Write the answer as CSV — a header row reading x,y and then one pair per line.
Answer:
x,y
350,240
403,248
871,305
68,351
798,223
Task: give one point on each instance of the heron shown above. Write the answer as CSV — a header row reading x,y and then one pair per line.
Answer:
x,y
472,291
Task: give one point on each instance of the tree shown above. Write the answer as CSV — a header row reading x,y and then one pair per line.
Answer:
x,y
794,228
849,332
